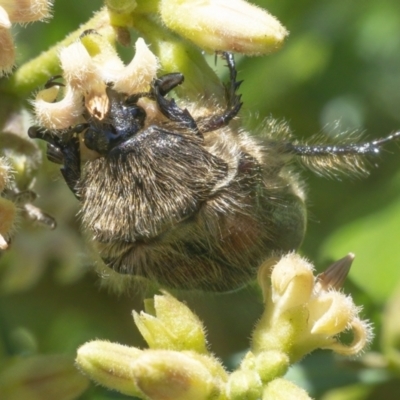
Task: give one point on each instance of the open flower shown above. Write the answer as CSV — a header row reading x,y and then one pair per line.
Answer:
x,y
88,65
304,312
17,11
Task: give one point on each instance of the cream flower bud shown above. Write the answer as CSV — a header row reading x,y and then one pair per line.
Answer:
x,y
109,364
171,375
7,51
22,11
172,327
224,25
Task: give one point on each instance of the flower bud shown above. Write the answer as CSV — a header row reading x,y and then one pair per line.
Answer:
x,y
281,389
271,364
220,25
171,375
173,326
109,364
244,384
22,11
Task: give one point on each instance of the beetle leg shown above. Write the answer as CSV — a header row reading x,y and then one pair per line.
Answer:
x,y
232,98
63,146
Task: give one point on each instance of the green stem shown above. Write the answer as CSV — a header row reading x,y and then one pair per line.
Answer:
x,y
125,7
36,72
147,6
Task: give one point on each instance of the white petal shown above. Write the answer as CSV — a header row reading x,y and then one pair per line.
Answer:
x,y
62,114
4,19
139,73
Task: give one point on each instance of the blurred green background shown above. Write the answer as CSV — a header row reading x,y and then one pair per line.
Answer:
x,y
338,70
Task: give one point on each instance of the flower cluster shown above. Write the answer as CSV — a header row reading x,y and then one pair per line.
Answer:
x,y
91,63
20,159
17,11
177,365
11,200
88,66
302,313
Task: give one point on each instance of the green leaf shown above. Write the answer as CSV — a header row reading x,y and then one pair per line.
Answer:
x,y
373,240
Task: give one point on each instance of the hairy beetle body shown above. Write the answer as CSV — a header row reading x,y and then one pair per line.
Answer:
x,y
189,200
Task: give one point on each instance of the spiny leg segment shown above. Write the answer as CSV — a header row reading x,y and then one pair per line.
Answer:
x,y
233,99
367,148
65,143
